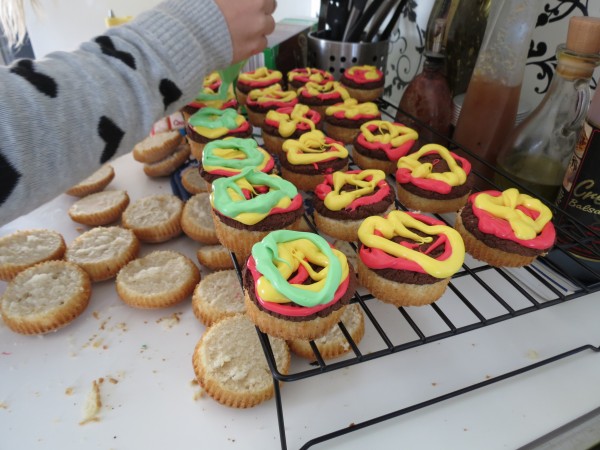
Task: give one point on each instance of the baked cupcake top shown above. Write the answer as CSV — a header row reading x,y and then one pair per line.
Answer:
x,y
353,189
300,76
227,157
420,169
351,109
313,148
292,119
213,123
514,216
297,273
250,196
411,241
394,139
363,77
328,91
259,78
271,97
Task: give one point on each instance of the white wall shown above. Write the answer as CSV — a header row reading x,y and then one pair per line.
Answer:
x,y
64,24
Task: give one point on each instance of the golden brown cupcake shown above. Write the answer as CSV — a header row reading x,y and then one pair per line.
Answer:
x,y
100,208
319,96
168,165
45,297
94,183
196,219
103,251
25,248
216,257
255,79
343,120
156,218
296,78
230,364
217,296
364,83
506,229
158,280
157,146
192,181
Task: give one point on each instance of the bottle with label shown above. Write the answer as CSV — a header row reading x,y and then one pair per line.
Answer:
x,y
579,195
491,102
537,152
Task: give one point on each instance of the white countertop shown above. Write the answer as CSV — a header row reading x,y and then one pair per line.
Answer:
x,y
149,400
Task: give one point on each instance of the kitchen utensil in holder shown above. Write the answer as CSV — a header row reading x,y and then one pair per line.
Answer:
x,y
336,56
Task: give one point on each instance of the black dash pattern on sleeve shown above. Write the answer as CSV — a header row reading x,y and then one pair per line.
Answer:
x,y
43,83
112,135
108,48
169,91
9,177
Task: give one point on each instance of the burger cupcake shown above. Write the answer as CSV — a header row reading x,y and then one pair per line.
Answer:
x,y
343,120
364,83
247,206
255,79
288,123
260,101
380,144
228,157
345,199
319,96
506,229
407,259
296,285
308,159
434,180
209,124
296,78
210,88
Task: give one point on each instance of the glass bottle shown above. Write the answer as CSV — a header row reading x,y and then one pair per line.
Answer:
x,y
538,151
427,98
490,106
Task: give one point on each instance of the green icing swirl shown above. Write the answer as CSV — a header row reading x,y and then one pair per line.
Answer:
x,y
214,118
263,203
248,147
265,252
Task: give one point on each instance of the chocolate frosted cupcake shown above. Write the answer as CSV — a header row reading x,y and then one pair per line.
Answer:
x,y
406,258
364,83
345,199
343,120
506,229
228,157
209,124
434,180
260,101
288,123
255,79
247,206
308,159
319,96
296,285
380,144
296,78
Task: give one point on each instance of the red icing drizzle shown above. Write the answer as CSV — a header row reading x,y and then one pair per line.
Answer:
x,y
291,309
501,228
228,173
393,153
376,258
358,76
382,191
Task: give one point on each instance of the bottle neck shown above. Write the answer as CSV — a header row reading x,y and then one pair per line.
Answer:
x,y
573,65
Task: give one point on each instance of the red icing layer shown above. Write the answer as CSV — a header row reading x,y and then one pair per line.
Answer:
x,y
358,76
404,175
393,153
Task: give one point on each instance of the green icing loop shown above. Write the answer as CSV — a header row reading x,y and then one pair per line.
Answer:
x,y
248,147
263,203
214,118
265,252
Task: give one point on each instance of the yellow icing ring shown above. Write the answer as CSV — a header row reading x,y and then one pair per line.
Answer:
x,y
505,207
336,200
397,223
291,255
455,177
352,108
215,120
311,148
370,72
261,74
315,89
271,93
211,79
391,133
288,123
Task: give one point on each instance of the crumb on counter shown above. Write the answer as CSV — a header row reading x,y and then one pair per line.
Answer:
x,y
93,403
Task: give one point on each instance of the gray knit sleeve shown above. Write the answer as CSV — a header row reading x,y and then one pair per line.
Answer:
x,y
63,116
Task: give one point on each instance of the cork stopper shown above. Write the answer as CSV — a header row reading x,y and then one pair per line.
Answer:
x,y
584,34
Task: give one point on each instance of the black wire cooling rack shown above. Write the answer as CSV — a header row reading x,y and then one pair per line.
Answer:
x,y
551,280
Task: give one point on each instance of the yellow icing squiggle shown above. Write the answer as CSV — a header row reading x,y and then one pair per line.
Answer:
x,y
389,133
455,177
288,123
337,199
313,147
352,108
